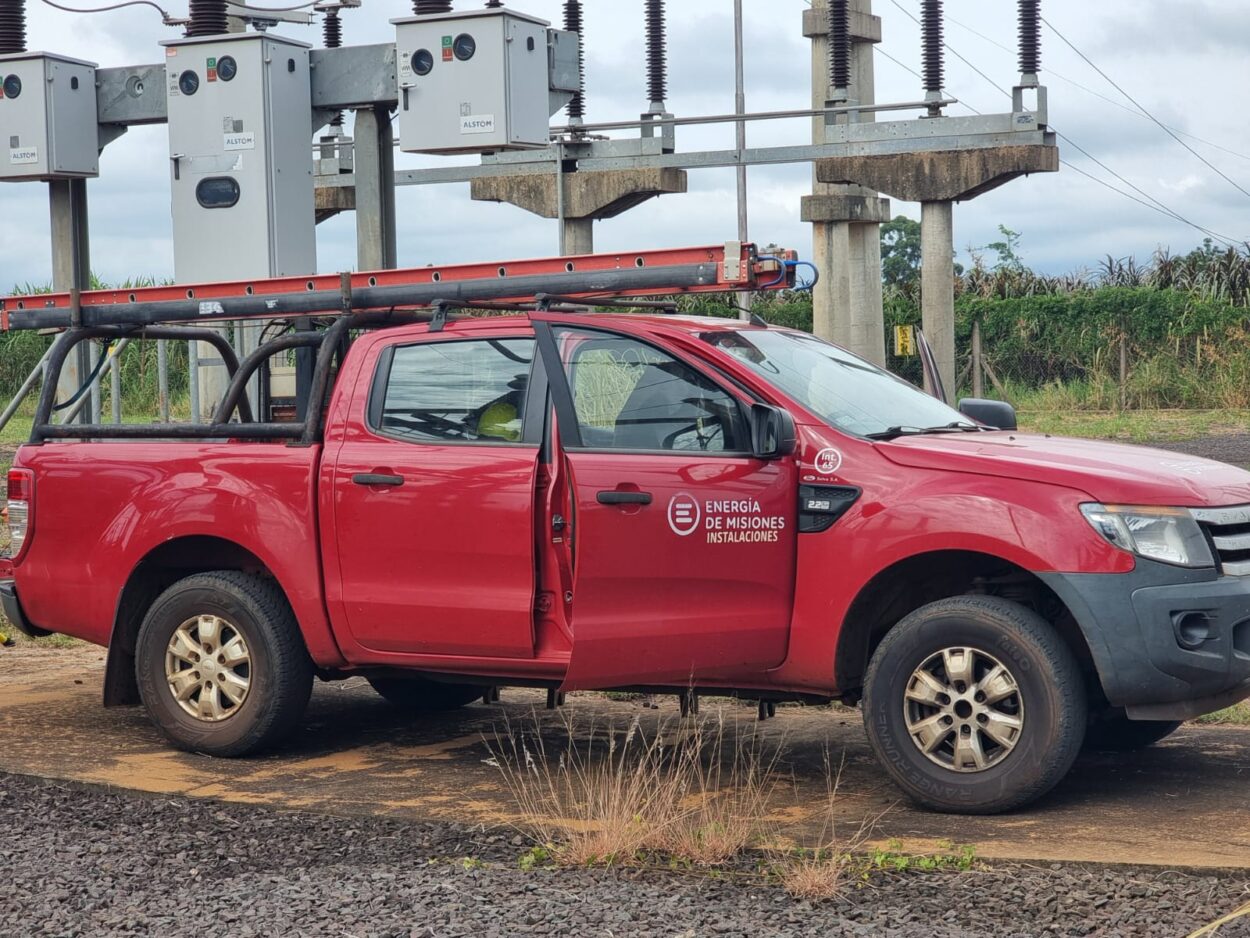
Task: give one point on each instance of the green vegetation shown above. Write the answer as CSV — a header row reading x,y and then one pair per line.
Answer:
x,y
1054,343
1236,715
20,353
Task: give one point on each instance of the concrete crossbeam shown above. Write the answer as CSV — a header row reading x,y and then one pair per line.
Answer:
x,y
586,195
330,201
942,175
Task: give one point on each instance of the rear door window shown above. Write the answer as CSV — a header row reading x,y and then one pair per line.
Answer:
x,y
463,391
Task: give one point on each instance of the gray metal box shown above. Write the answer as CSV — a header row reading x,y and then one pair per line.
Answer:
x,y
48,129
472,82
240,146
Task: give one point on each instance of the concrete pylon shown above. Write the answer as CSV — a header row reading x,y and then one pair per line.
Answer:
x,y
937,287
937,179
587,197
846,219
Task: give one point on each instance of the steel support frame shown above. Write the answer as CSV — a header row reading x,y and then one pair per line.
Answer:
x,y
71,270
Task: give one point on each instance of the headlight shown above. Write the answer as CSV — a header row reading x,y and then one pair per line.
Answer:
x,y
1170,535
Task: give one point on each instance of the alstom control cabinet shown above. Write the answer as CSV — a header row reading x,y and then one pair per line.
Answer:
x,y
48,127
240,151
472,82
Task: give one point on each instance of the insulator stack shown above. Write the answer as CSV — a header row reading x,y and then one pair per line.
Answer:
x,y
933,51
332,32
1030,37
573,23
12,26
208,18
332,29
428,7
840,44
657,53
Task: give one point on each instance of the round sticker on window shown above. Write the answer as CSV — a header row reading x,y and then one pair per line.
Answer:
x,y
828,461
683,514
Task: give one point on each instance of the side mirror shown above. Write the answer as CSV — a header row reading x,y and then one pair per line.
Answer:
x,y
997,414
772,432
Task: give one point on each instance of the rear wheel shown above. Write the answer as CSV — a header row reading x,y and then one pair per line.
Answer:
x,y
974,705
1117,733
419,695
221,664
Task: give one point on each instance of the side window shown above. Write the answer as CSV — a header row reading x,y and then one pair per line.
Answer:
x,y
456,392
629,395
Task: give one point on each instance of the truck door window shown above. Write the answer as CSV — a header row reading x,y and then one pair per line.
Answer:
x,y
632,396
457,391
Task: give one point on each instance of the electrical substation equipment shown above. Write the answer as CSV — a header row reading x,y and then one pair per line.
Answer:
x,y
481,80
48,127
240,150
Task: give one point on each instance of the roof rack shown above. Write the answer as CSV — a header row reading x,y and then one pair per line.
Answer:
x,y
598,279
352,302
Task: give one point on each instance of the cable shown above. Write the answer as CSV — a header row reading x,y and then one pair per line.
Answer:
x,y
1098,94
116,6
1158,206
1156,120
1164,208
290,9
106,354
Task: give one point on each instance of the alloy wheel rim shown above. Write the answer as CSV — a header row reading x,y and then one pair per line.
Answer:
x,y
208,668
963,709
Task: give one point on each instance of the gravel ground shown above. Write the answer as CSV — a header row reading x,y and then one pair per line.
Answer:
x,y
85,861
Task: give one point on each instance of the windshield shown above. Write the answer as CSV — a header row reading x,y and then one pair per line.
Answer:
x,y
850,393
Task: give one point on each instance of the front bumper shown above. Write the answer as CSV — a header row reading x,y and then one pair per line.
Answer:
x,y
13,611
1168,642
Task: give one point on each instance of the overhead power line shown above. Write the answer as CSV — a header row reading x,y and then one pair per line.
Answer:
x,y
1098,94
1157,205
1232,182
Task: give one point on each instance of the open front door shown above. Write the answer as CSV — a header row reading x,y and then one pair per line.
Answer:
x,y
683,543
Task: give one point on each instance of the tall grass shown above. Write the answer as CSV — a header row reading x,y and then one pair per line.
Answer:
x,y
694,790
20,353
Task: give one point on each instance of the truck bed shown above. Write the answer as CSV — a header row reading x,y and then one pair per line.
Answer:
x,y
102,508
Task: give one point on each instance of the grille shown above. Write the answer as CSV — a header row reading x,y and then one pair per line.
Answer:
x,y
1229,531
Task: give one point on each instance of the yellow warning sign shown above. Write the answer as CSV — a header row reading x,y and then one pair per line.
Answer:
x,y
904,341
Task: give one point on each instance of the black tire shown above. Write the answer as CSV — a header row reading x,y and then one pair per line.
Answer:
x,y
1050,695
279,671
1117,733
418,695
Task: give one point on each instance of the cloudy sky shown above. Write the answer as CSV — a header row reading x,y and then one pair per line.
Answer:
x,y
1186,63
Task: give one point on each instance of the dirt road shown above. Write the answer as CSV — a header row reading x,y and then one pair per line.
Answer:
x,y
1180,803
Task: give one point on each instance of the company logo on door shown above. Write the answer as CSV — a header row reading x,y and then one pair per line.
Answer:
x,y
477,124
724,521
683,514
19,155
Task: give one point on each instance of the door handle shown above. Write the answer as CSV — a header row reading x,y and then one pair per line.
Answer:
x,y
616,497
376,478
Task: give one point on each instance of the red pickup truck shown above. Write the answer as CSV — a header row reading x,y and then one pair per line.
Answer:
x,y
660,502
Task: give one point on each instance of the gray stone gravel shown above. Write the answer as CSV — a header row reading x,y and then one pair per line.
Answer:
x,y
86,862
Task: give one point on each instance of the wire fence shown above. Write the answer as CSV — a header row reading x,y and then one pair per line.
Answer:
x,y
1122,367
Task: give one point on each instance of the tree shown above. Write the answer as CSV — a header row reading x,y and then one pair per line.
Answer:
x,y
900,251
1008,250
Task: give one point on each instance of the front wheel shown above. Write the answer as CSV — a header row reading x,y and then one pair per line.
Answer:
x,y
974,705
221,664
